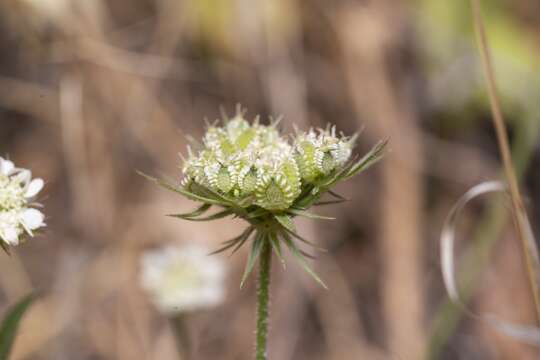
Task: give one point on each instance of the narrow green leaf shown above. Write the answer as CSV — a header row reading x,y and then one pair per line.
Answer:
x,y
216,216
285,221
289,228
253,255
301,259
247,201
337,196
197,212
257,212
244,239
305,241
10,324
373,156
329,202
332,179
182,191
237,240
276,245
307,214
211,193
306,254
5,247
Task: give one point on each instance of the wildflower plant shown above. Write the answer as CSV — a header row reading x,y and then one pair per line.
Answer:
x,y
251,171
18,213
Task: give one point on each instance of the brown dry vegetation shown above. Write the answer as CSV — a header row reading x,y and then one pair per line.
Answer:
x,y
90,91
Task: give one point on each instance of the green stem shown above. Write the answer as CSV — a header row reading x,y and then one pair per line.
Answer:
x,y
181,335
263,299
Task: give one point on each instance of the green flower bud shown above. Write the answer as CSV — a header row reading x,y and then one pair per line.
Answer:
x,y
318,155
277,188
223,180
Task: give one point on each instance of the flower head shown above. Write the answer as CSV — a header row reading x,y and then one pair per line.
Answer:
x,y
320,152
180,279
17,209
253,172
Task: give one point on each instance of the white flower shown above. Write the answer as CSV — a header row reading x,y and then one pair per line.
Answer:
x,y
17,215
181,279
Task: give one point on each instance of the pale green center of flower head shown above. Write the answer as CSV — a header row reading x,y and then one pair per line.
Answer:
x,y
11,194
240,159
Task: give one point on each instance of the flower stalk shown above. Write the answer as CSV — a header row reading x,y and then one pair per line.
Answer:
x,y
263,300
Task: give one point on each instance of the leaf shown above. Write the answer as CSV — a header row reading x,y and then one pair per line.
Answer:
x,y
306,254
286,222
5,247
305,241
329,202
298,255
307,214
256,213
251,229
10,324
237,240
332,179
306,198
197,212
253,255
182,191
276,245
337,196
373,156
289,228
216,216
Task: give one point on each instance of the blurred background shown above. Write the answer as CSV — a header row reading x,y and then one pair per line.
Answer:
x,y
91,91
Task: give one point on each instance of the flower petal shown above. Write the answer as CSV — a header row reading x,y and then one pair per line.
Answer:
x,y
22,176
34,188
32,219
6,167
11,236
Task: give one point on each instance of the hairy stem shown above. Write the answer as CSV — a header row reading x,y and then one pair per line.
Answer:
x,y
263,299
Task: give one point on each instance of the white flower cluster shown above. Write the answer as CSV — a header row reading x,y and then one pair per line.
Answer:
x,y
17,215
242,159
181,279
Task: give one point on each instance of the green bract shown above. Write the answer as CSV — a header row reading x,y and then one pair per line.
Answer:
x,y
251,171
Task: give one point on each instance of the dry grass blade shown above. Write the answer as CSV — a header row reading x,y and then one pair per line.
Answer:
x,y
521,220
448,235
523,333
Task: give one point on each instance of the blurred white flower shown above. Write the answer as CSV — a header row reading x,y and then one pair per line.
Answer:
x,y
182,279
49,9
17,215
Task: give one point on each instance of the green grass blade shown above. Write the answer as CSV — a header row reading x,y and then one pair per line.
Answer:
x,y
10,324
